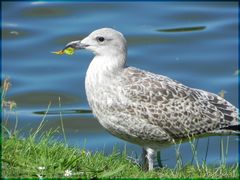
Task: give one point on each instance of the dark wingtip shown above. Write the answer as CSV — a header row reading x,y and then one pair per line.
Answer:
x,y
234,128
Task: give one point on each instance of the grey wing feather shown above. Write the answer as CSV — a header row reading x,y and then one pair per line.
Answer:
x,y
176,109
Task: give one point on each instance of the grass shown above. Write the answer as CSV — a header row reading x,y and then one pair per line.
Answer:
x,y
40,156
32,157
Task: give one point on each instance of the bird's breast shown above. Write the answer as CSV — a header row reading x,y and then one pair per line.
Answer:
x,y
100,85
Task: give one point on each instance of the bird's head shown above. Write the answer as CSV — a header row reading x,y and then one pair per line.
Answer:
x,y
102,42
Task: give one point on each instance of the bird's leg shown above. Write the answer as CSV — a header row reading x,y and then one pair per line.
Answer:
x,y
150,156
145,160
159,159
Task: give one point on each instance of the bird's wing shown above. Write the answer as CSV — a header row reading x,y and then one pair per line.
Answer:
x,y
177,109
230,119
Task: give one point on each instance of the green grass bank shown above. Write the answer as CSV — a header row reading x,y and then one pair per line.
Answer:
x,y
33,157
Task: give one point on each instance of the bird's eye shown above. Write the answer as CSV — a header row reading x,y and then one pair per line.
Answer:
x,y
100,39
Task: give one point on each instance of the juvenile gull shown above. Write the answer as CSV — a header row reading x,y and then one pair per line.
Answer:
x,y
148,109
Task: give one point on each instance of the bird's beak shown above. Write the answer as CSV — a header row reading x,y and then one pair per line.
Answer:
x,y
76,45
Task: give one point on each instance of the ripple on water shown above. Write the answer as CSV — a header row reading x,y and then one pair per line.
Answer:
x,y
30,99
17,33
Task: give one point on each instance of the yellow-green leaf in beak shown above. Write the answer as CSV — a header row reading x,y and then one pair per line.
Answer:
x,y
68,51
61,52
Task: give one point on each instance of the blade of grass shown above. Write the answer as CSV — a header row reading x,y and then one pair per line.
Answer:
x,y
193,142
222,151
41,123
16,123
226,151
206,154
8,132
61,120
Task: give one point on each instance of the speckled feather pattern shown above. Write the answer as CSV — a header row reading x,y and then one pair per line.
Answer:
x,y
146,108
151,110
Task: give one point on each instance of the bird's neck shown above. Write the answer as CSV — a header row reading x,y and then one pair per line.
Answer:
x,y
104,70
108,63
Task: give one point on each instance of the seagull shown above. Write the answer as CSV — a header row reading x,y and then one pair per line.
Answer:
x,y
144,108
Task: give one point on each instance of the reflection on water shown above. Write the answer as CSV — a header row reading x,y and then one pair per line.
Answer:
x,y
194,43
65,111
183,29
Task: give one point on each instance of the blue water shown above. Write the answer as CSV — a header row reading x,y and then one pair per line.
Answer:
x,y
204,56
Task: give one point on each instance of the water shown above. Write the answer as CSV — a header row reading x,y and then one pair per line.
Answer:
x,y
194,43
